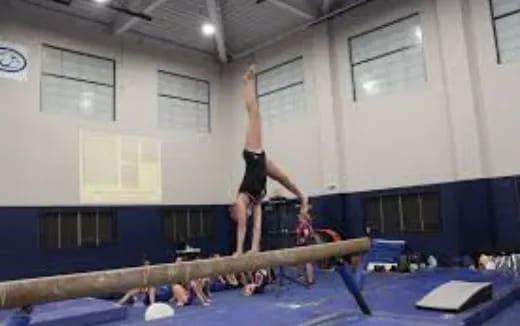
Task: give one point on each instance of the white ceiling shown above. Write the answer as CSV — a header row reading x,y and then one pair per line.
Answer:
x,y
246,24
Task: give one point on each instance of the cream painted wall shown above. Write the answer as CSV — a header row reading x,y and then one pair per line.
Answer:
x,y
461,124
40,153
424,134
402,138
499,95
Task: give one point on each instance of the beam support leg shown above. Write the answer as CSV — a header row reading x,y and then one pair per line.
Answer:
x,y
352,287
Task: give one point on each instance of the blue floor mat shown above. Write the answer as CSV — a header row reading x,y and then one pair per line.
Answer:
x,y
79,312
391,297
510,316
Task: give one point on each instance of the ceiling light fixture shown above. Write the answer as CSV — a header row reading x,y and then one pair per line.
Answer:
x,y
418,34
208,29
101,1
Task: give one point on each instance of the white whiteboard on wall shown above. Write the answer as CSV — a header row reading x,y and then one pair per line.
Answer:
x,y
119,169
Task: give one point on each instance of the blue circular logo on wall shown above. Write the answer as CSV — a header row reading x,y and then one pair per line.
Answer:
x,y
11,60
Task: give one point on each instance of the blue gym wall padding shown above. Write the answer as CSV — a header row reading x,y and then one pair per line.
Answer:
x,y
476,215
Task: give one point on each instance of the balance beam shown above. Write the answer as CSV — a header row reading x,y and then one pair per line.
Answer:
x,y
19,293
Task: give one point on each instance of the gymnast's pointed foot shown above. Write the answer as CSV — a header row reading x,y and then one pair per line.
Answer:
x,y
250,74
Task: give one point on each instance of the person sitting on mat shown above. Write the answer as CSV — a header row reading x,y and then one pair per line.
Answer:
x,y
304,237
147,294
202,286
258,168
229,280
185,294
163,293
257,282
221,283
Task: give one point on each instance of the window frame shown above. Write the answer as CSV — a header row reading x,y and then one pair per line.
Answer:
x,y
285,87
77,52
517,198
494,19
172,214
186,99
41,223
372,30
58,212
277,66
399,197
113,218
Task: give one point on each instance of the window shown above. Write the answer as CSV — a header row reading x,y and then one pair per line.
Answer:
x,y
182,224
280,215
69,235
69,228
517,197
183,102
391,211
506,23
372,213
430,212
279,222
387,58
411,208
77,84
280,90
394,214
50,231
89,225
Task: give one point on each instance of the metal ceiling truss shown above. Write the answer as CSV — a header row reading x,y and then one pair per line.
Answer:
x,y
325,6
289,8
331,15
121,9
216,18
140,10
121,26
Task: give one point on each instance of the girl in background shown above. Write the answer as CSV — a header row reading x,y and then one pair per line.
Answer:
x,y
257,282
304,237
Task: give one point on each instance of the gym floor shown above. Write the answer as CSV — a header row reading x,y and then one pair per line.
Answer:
x,y
390,296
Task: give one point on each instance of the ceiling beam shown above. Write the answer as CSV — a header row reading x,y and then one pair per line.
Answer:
x,y
302,27
290,8
325,6
270,42
216,18
124,25
63,2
